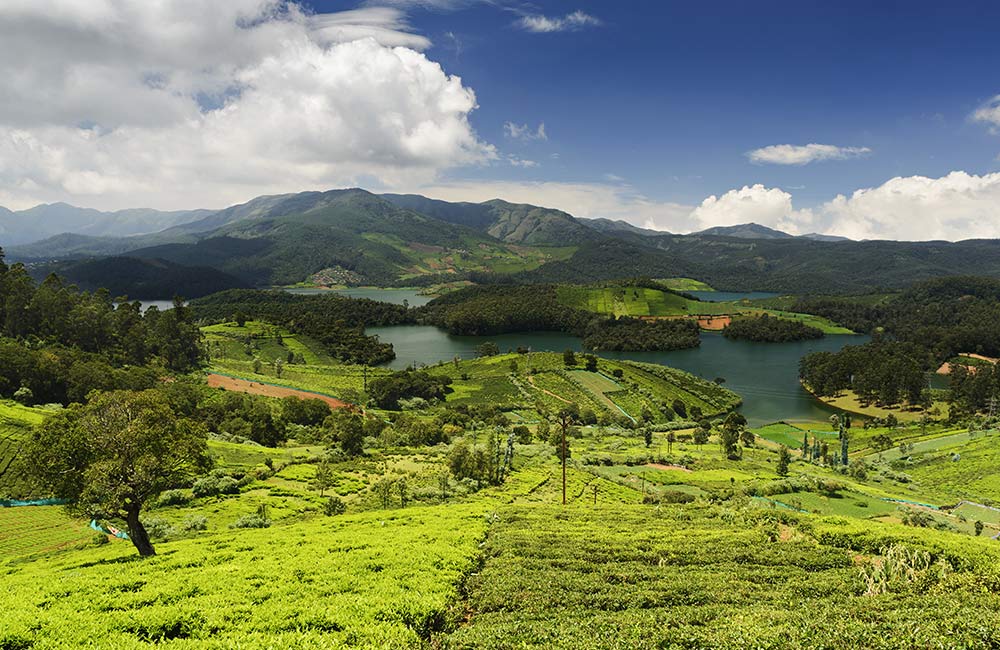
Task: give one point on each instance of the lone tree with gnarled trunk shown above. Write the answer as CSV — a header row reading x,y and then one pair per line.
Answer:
x,y
112,456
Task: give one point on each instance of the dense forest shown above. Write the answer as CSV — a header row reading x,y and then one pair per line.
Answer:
x,y
914,332
500,309
58,343
636,334
336,322
765,329
881,372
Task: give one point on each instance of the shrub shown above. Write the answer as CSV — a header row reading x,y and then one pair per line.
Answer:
x,y
172,498
205,487
228,485
195,522
158,529
251,521
334,506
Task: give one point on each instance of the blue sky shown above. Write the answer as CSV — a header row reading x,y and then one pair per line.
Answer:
x,y
671,95
861,118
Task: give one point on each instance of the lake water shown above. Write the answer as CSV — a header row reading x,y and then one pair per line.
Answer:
x,y
395,296
162,305
764,374
727,296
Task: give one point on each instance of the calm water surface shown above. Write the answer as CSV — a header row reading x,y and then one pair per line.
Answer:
x,y
395,296
726,296
764,374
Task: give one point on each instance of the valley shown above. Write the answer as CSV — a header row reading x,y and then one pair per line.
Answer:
x,y
543,464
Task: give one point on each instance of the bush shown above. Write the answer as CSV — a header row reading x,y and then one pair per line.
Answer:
x,y
158,529
99,539
228,485
195,522
334,506
172,498
251,521
205,487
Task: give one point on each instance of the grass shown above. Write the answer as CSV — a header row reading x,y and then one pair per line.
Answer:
x,y
704,576
849,401
34,530
369,580
16,421
642,301
685,284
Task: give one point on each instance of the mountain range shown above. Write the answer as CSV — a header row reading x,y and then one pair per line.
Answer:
x,y
356,237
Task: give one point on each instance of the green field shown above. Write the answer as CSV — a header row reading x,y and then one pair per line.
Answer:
x,y
708,577
644,301
16,421
370,580
685,284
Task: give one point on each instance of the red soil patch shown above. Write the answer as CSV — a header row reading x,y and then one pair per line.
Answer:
x,y
714,322
257,388
679,468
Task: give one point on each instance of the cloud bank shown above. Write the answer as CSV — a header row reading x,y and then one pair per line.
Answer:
x,y
205,103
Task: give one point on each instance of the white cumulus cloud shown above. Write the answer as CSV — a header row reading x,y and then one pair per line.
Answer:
x,y
524,132
791,154
119,103
771,207
989,113
913,208
542,24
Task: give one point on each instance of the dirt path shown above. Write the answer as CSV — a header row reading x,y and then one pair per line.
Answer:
x,y
679,468
256,388
531,380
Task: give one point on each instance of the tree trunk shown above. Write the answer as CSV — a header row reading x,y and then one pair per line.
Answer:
x,y
137,533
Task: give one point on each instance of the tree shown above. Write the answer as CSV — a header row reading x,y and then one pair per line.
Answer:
x,y
569,358
349,430
112,456
784,458
324,477
747,437
732,429
567,416
881,443
488,349
671,439
702,433
806,449
979,528
647,436
590,362
843,446
679,408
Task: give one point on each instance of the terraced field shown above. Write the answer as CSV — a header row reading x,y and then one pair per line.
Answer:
x,y
34,530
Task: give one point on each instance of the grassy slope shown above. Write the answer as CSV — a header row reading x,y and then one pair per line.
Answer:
x,y
708,577
642,301
15,423
368,580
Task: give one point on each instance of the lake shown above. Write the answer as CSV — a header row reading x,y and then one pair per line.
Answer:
x,y
764,374
395,296
729,296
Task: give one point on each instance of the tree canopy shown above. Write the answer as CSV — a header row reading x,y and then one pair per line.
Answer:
x,y
112,456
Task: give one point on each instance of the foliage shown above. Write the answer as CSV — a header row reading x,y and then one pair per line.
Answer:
x,y
386,392
767,329
116,454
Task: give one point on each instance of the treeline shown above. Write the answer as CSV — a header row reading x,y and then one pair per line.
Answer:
x,y
765,329
58,343
335,321
636,334
501,309
946,316
881,372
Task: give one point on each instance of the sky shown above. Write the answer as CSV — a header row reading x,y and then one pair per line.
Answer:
x,y
869,120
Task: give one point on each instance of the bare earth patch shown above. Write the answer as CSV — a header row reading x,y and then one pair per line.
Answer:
x,y
257,388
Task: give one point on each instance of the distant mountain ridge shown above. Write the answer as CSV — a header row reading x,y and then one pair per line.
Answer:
x,y
356,237
47,220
